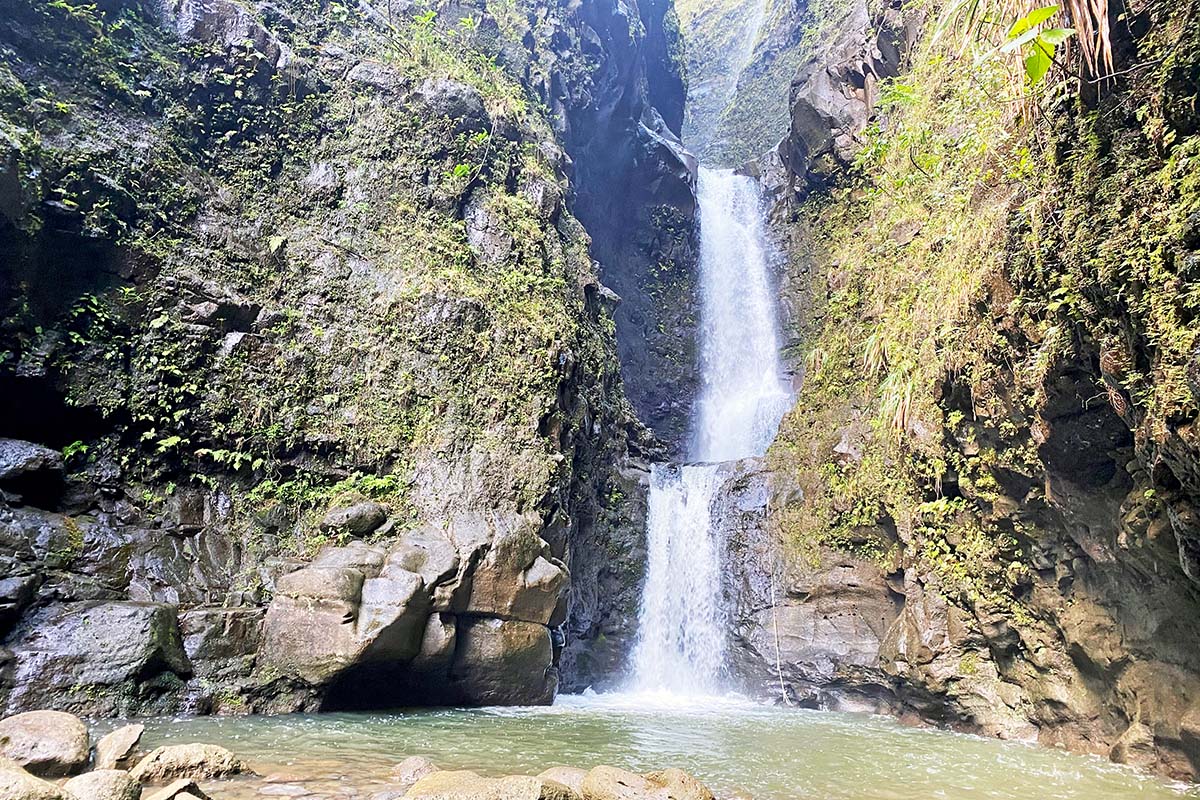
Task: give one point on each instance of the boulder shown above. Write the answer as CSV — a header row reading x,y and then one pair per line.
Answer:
x,y
356,555
463,785
182,789
19,458
47,743
504,662
611,783
309,627
104,784
187,761
412,769
324,620
518,578
571,777
460,103
448,784
679,785
17,784
115,747
355,520
95,653
430,553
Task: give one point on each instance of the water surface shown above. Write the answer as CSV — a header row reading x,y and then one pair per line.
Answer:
x,y
739,749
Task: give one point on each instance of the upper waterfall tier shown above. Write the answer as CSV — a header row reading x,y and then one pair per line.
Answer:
x,y
744,392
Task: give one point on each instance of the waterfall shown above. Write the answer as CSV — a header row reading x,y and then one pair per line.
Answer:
x,y
743,395
682,620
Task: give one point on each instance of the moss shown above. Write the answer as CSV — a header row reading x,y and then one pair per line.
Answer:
x,y
357,334
977,253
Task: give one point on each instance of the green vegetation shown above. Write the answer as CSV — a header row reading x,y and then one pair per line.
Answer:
x,y
999,229
307,316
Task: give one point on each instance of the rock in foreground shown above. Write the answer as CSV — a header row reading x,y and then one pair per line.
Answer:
x,y
187,761
561,783
46,743
463,785
17,784
104,784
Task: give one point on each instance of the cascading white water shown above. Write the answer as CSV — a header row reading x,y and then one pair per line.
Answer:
x,y
682,620
744,394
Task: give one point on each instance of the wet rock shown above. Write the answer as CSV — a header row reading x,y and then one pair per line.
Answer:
x,y
571,777
16,593
182,789
187,762
93,654
46,743
504,662
833,619
30,473
1135,747
104,784
221,642
17,784
19,458
115,747
356,520
226,23
412,769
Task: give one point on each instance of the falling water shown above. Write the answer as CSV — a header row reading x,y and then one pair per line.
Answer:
x,y
681,624
744,394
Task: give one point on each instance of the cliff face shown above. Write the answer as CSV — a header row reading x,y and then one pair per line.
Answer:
x,y
981,510
307,377
741,60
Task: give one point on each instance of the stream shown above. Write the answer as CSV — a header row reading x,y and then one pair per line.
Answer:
x,y
740,749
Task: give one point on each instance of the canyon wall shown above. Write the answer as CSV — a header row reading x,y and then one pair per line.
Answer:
x,y
308,380
981,511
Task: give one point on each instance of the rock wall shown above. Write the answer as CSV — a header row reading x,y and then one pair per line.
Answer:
x,y
978,514
308,378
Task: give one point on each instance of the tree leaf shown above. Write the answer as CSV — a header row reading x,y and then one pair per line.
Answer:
x,y
1057,36
1037,62
1031,20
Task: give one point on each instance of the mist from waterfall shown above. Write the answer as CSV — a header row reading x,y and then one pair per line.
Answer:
x,y
682,621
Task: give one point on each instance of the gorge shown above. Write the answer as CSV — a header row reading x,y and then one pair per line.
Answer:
x,y
799,394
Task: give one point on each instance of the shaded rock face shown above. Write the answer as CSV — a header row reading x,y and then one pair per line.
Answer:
x,y
835,91
63,655
804,633
635,193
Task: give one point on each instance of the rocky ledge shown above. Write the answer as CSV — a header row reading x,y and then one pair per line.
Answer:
x,y
45,755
